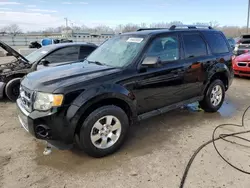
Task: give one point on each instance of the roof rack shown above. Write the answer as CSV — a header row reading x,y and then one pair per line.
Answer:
x,y
173,27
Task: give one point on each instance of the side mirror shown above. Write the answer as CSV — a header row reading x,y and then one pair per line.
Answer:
x,y
151,61
44,62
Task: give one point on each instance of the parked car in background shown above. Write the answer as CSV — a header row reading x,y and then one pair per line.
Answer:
x,y
48,41
48,56
130,77
241,64
243,45
231,42
35,44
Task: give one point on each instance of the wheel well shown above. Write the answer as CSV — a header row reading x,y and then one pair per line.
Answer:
x,y
222,76
110,101
14,76
9,78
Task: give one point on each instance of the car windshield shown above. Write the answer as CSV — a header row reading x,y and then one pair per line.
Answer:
x,y
118,51
36,55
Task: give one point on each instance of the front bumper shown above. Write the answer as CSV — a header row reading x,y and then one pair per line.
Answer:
x,y
242,70
49,126
2,86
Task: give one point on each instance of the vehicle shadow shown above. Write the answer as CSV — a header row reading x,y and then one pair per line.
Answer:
x,y
5,100
144,138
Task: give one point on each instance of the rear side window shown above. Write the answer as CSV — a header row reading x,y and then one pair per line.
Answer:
x,y
85,51
194,45
217,43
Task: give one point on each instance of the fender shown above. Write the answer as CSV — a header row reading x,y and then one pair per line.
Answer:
x,y
94,95
218,68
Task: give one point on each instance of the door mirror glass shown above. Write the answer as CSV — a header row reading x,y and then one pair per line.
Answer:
x,y
44,62
151,61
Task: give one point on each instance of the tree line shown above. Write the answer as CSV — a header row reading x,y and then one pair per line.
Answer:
x,y
229,31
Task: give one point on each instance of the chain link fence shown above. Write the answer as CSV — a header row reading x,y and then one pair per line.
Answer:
x,y
25,40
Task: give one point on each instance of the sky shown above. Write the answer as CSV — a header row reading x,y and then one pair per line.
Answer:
x,y
41,14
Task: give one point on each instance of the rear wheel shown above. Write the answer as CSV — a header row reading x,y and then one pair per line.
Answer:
x,y
12,89
104,131
214,97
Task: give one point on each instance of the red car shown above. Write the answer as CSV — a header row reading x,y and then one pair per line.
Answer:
x,y
241,64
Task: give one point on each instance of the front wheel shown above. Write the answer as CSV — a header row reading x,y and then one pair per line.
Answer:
x,y
104,131
214,97
12,89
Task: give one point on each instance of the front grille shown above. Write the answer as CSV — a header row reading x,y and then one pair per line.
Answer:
x,y
26,96
242,64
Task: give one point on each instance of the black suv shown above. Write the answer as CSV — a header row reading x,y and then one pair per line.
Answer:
x,y
130,77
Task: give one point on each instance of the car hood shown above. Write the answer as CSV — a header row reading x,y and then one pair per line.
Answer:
x,y
51,79
244,57
12,51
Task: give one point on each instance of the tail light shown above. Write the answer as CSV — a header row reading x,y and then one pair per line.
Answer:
x,y
246,51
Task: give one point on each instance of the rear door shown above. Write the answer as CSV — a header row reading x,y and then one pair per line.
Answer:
x,y
196,60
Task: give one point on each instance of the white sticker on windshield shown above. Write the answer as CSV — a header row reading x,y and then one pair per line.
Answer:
x,y
135,40
44,52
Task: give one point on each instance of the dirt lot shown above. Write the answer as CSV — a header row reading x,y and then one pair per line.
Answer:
x,y
155,154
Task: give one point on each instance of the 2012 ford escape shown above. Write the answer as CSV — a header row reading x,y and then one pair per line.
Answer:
x,y
130,77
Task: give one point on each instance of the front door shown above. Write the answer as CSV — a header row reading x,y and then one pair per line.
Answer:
x,y
160,86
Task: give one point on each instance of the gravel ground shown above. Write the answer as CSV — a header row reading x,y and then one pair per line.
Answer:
x,y
155,154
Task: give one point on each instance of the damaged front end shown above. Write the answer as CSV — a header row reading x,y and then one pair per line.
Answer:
x,y
13,66
13,69
9,71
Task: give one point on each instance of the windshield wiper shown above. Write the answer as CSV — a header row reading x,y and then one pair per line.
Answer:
x,y
96,62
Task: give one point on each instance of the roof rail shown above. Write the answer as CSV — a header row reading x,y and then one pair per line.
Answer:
x,y
145,29
173,27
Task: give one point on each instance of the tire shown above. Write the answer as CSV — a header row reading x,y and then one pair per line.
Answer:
x,y
12,89
206,104
92,127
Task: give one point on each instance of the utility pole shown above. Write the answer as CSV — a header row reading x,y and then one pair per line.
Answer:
x,y
66,19
248,15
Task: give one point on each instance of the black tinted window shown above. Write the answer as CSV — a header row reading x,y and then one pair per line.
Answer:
x,y
64,55
167,48
194,45
85,51
217,43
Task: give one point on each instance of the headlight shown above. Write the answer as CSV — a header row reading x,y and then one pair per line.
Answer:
x,y
45,101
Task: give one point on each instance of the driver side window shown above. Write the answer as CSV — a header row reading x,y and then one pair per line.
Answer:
x,y
64,55
166,48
